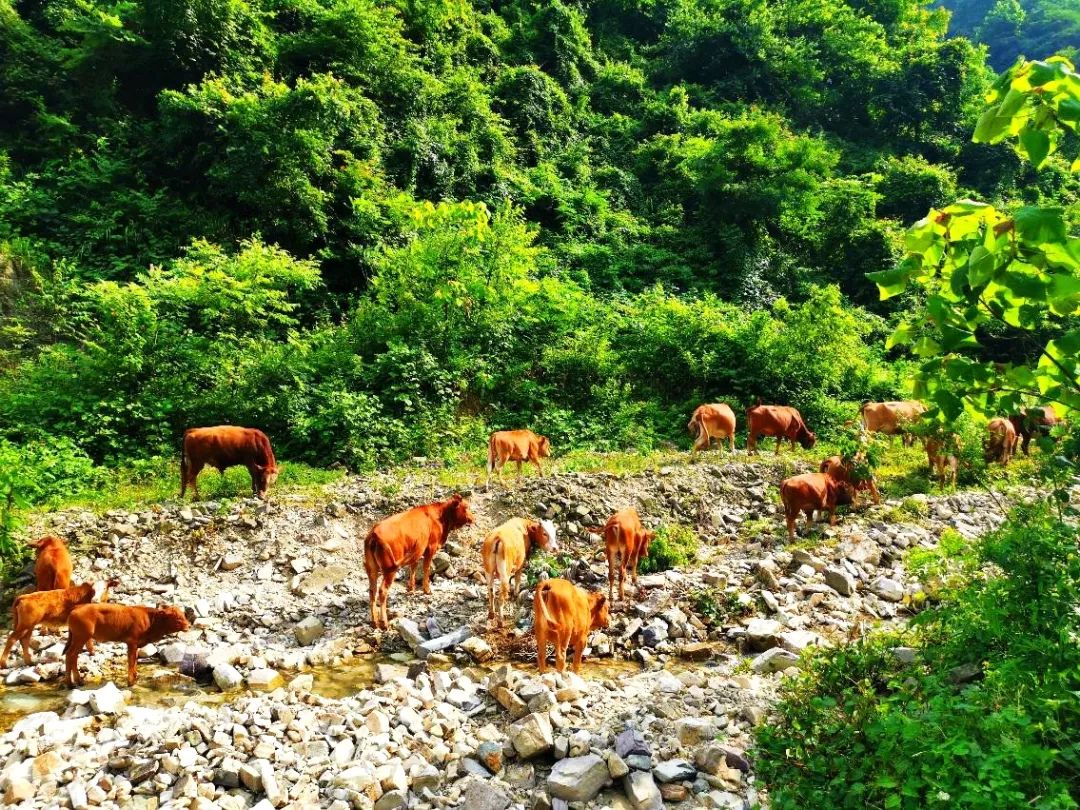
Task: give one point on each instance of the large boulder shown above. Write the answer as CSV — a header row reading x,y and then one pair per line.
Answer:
x,y
532,735
578,779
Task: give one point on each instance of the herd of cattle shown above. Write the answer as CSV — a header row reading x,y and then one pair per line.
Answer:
x,y
563,613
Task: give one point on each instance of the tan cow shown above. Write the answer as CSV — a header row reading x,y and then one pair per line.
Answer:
x,y
943,464
807,493
625,544
781,421
892,418
565,614
52,563
1001,443
835,466
506,550
713,421
515,445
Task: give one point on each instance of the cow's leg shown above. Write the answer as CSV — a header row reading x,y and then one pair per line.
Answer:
x,y
832,515
133,662
562,642
539,467
11,639
731,441
540,629
410,586
71,664
779,441
699,444
427,570
193,471
610,574
387,581
373,594
751,443
579,651
874,492
622,576
518,471
491,596
25,641
790,518
89,646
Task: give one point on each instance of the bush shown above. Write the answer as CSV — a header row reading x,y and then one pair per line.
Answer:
x,y
859,729
673,547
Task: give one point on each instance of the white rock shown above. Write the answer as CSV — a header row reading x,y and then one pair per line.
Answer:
x,y
578,779
107,699
227,677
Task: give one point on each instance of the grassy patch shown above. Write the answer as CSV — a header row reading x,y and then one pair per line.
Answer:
x,y
673,547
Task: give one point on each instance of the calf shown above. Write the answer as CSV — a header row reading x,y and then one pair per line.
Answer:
x,y
52,564
49,608
565,614
780,421
227,446
135,626
625,543
505,552
892,418
712,421
942,463
405,539
835,467
1001,443
516,445
810,492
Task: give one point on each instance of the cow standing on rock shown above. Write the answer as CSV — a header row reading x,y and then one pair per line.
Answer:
x,y
844,471
52,563
712,421
135,626
625,544
565,614
810,492
780,421
227,446
516,445
505,552
403,540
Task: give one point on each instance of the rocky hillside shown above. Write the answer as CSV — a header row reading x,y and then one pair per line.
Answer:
x,y
451,713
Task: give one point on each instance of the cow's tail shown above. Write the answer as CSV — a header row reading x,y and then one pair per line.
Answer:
x,y
541,589
371,565
500,570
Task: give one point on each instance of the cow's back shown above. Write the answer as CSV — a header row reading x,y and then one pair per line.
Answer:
x,y
402,536
567,604
625,523
773,419
718,416
808,488
109,622
228,445
514,445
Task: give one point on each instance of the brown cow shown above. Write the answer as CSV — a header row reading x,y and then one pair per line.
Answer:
x,y
505,551
227,446
625,543
714,421
942,463
49,608
810,492
52,564
892,418
834,466
135,626
1001,443
516,445
405,539
565,613
1033,422
780,421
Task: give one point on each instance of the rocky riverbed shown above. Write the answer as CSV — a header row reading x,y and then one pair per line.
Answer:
x,y
444,711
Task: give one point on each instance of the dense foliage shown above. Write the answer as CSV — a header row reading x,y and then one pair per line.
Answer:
x,y
377,230
986,715
1013,28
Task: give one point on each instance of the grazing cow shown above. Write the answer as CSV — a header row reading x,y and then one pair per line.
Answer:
x,y
943,464
810,492
715,421
1001,443
625,543
1033,422
892,418
780,421
505,551
516,445
135,626
227,446
49,608
52,564
835,467
564,614
405,539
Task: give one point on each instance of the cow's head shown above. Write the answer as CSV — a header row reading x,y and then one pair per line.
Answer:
x,y
598,610
42,544
171,619
101,589
807,438
542,535
649,537
543,447
266,476
458,512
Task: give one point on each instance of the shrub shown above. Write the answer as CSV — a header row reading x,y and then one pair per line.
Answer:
x,y
673,547
859,729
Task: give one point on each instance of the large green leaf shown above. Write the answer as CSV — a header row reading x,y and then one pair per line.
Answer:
x,y
1037,145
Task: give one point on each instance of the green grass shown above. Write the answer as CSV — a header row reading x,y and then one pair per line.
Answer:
x,y
157,480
